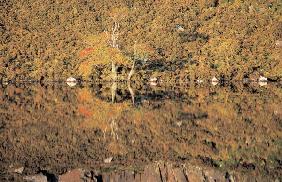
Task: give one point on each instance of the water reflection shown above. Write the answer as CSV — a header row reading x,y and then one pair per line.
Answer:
x,y
57,127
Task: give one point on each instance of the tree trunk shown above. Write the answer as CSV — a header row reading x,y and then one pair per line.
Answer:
x,y
114,91
131,71
114,71
133,65
131,93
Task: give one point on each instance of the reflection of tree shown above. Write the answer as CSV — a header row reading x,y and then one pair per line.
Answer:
x,y
114,129
225,133
104,114
114,91
206,117
131,93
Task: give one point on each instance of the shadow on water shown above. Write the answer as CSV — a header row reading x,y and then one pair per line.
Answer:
x,y
106,127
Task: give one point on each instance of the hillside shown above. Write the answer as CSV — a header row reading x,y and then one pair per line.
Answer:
x,y
52,40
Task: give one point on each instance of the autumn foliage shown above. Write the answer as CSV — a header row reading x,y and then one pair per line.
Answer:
x,y
228,38
99,53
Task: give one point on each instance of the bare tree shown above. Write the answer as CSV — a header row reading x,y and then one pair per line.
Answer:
x,y
117,15
131,93
114,38
114,91
132,71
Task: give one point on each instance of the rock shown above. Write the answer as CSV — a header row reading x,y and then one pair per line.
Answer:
x,y
88,174
229,177
199,81
19,170
108,160
153,83
262,84
153,79
213,175
194,173
118,176
151,173
163,171
36,178
179,123
262,79
75,175
180,28
71,81
5,81
214,81
176,174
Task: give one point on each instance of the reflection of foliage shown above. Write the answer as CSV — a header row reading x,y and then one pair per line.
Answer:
x,y
102,112
242,125
221,110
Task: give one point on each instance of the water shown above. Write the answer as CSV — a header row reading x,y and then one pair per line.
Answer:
x,y
55,128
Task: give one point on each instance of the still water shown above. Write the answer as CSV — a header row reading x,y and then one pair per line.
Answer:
x,y
54,128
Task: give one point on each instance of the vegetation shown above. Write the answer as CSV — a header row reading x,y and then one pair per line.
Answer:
x,y
100,52
230,128
231,39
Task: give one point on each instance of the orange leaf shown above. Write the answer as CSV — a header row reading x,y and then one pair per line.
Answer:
x,y
85,52
84,111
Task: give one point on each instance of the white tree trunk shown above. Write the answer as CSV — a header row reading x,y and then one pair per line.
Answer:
x,y
115,34
132,71
131,93
133,65
114,71
114,91
114,45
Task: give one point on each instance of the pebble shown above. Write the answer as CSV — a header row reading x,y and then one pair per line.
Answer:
x,y
88,174
153,83
180,28
179,123
108,160
214,81
154,79
262,79
262,83
5,81
71,81
19,170
199,81
230,177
